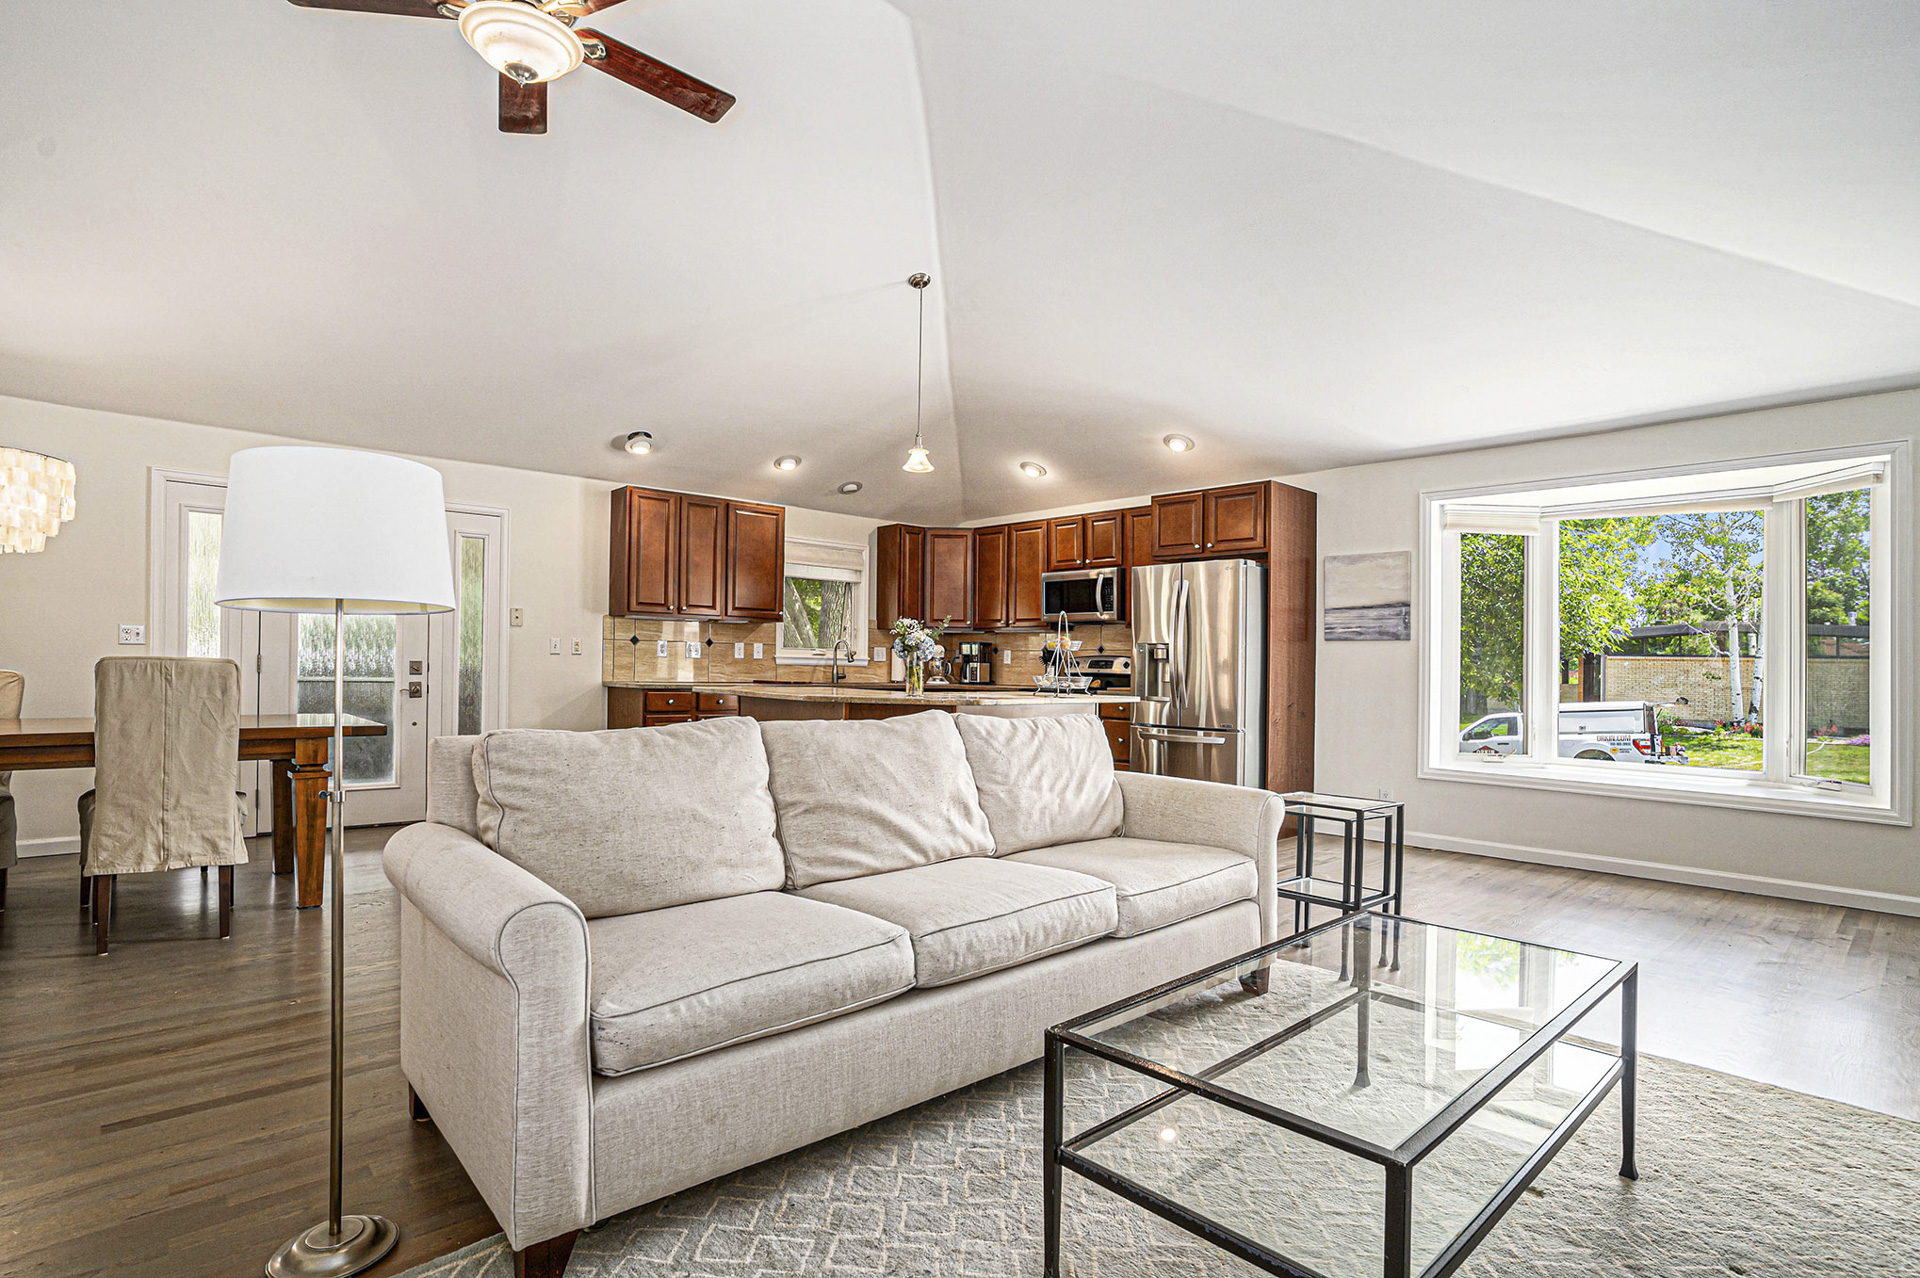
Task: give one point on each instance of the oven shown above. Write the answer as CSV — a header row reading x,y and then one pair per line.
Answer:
x,y
1084,594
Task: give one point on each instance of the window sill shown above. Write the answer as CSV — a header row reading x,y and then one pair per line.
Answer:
x,y
806,659
1662,784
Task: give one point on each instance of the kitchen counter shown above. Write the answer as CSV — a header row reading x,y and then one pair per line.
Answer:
x,y
649,703
887,694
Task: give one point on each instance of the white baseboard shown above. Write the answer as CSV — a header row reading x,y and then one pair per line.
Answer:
x,y
1726,880
65,845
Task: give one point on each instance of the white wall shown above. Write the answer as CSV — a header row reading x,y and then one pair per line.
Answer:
x,y
61,610
1366,730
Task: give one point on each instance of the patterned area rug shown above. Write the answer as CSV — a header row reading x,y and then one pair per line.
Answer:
x,y
1736,1179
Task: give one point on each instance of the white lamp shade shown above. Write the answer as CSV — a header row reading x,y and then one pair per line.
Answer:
x,y
307,526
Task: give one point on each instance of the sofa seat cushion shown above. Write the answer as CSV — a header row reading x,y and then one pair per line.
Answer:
x,y
635,819
867,796
1042,780
1155,884
673,983
979,914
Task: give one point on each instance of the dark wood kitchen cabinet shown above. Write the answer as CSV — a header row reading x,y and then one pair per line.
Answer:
x,y
1139,536
756,560
1026,560
900,572
950,577
1179,525
1086,541
685,555
990,578
1236,520
703,557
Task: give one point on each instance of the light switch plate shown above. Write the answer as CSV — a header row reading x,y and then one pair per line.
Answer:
x,y
577,649
660,649
518,617
553,647
133,634
759,651
693,651
1006,658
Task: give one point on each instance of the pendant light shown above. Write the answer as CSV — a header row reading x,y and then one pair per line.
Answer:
x,y
36,497
918,462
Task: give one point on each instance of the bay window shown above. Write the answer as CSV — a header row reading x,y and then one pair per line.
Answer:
x,y
1720,635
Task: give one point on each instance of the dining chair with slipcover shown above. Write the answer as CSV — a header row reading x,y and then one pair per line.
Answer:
x,y
166,735
12,685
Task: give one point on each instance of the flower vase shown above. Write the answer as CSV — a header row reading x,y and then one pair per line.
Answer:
x,y
916,678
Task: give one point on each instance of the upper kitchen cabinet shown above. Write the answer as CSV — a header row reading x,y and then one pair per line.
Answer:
x,y
1236,520
1139,539
643,556
1179,525
1086,541
1026,560
683,555
990,578
703,557
950,577
756,560
900,571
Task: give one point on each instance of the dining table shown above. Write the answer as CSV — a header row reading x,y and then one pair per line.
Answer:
x,y
296,744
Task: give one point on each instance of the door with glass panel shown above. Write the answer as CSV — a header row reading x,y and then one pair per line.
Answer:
x,y
418,675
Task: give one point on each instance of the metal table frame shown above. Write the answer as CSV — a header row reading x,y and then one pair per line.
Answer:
x,y
1397,1162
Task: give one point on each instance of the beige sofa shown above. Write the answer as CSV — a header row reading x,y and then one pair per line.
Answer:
x,y
634,961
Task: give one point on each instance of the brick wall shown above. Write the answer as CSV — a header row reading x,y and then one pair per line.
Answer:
x,y
1838,694
1663,680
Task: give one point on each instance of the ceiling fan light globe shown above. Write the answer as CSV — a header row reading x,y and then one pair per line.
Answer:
x,y
521,41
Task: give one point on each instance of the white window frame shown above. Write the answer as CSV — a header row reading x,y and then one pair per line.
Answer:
x,y
1775,788
826,561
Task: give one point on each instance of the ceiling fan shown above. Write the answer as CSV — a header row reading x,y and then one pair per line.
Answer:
x,y
530,42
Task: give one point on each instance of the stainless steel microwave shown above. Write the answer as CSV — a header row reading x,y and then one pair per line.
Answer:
x,y
1084,594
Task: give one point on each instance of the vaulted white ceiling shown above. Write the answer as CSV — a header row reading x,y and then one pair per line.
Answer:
x,y
1302,234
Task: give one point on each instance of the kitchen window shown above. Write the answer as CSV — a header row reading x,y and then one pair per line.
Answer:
x,y
824,601
1722,635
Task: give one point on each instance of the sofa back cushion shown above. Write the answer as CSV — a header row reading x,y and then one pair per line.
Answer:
x,y
868,796
636,819
1042,780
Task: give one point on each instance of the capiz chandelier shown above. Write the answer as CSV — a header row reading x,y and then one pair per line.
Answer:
x,y
36,497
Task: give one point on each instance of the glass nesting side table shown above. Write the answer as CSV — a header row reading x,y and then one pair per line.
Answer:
x,y
1352,891
1352,1121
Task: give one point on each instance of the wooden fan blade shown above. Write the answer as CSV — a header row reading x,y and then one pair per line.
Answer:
x,y
405,8
523,107
593,6
650,75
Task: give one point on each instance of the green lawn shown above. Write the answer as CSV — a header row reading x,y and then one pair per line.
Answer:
x,y
1829,760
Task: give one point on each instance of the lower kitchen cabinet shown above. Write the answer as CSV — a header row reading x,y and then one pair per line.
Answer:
x,y
655,707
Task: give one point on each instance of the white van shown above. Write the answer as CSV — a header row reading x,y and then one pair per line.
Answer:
x,y
1606,731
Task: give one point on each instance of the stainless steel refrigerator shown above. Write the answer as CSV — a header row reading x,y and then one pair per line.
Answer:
x,y
1199,669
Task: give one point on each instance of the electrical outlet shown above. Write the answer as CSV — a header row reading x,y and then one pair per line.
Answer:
x,y
879,654
577,649
693,650
660,649
1386,794
759,651
517,617
133,634
1006,658
740,651
553,647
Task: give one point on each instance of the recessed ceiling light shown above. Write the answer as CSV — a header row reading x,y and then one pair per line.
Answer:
x,y
786,463
1033,470
851,486
639,443
1178,443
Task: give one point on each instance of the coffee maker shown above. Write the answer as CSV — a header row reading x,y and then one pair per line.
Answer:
x,y
975,664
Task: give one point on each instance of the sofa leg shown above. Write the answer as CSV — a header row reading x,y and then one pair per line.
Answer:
x,y
1257,982
417,1108
545,1259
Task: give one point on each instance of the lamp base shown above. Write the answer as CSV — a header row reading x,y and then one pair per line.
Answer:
x,y
362,1243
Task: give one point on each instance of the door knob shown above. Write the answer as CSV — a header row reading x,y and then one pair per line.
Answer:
x,y
416,689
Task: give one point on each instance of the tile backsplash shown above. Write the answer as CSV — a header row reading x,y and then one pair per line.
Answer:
x,y
623,660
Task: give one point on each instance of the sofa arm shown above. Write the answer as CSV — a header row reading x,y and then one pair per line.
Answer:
x,y
494,979
1235,817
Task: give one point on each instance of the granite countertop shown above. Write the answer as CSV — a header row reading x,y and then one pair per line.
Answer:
x,y
955,694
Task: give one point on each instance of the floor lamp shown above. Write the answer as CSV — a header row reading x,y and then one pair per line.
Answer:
x,y
333,530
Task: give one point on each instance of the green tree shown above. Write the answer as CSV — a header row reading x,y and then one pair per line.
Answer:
x,y
1492,606
1837,558
1710,578
1599,562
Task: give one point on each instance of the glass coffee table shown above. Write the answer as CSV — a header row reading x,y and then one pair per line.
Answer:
x,y
1367,1098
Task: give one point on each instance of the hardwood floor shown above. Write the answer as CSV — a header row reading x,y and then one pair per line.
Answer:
x,y
163,1110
